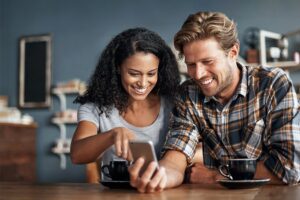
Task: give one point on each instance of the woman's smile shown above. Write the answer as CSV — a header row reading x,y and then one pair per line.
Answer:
x,y
140,90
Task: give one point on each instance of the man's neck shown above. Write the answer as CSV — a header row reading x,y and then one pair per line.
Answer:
x,y
224,98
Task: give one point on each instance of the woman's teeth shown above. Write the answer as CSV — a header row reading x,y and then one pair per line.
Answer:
x,y
140,90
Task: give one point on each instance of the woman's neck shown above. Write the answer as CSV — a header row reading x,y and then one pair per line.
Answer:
x,y
142,113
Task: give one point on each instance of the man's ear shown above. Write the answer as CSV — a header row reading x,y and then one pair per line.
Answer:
x,y
234,51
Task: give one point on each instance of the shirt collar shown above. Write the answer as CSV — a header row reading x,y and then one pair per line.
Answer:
x,y
242,88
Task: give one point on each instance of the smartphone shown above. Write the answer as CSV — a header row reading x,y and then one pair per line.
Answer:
x,y
144,149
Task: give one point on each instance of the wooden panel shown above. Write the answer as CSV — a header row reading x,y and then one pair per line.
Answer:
x,y
17,153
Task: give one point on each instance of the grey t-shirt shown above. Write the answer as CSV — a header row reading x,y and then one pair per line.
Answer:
x,y
156,132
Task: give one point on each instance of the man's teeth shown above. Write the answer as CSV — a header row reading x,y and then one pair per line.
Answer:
x,y
207,81
141,90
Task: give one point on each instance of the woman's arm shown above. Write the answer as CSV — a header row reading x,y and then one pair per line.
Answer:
x,y
87,146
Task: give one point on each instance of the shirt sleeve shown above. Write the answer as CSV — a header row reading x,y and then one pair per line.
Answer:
x,y
88,112
283,131
183,134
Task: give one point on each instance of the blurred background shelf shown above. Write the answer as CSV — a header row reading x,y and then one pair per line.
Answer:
x,y
65,117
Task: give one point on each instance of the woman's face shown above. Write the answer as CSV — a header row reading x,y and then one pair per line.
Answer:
x,y
139,74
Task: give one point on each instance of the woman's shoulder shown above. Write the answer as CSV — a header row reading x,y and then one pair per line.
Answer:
x,y
88,106
92,107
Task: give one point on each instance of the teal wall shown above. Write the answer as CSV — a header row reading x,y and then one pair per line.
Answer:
x,y
81,29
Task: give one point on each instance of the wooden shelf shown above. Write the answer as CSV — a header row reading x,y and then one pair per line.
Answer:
x,y
31,125
286,65
66,91
62,145
57,120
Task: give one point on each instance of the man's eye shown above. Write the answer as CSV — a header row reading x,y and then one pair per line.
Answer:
x,y
191,65
208,62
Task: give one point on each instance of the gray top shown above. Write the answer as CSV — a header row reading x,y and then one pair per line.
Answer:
x,y
156,132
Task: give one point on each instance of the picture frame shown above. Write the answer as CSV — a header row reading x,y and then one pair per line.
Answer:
x,y
269,41
35,71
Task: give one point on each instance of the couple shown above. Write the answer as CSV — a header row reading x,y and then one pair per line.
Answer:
x,y
226,108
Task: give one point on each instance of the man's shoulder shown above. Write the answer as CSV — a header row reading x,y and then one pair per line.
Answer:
x,y
264,77
265,72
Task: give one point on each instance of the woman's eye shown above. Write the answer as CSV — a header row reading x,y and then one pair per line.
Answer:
x,y
152,74
133,74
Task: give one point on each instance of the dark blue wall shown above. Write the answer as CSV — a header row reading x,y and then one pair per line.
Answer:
x,y
81,29
1,44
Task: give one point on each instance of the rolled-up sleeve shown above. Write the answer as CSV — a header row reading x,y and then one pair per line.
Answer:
x,y
283,136
183,135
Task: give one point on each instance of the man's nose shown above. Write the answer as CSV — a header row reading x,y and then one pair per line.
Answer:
x,y
199,71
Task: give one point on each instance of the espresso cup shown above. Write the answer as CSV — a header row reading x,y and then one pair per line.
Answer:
x,y
116,170
239,168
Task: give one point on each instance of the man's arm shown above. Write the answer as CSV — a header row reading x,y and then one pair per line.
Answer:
x,y
283,128
199,173
263,172
170,173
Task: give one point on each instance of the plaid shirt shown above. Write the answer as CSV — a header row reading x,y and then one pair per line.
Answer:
x,y
261,121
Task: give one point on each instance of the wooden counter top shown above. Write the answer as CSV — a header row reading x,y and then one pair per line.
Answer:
x,y
81,191
32,125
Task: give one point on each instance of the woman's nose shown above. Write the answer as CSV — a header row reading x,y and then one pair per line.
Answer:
x,y
142,82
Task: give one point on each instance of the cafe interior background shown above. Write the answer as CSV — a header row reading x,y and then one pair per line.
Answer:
x,y
75,32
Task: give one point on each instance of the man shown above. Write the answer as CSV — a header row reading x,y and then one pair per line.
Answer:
x,y
233,110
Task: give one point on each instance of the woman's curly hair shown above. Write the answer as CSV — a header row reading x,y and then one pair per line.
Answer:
x,y
105,88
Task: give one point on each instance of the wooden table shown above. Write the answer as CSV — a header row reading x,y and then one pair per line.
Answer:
x,y
85,191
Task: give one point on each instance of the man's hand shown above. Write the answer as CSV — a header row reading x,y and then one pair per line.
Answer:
x,y
263,172
153,179
169,174
198,173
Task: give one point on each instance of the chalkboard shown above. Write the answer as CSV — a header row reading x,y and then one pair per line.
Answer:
x,y
35,71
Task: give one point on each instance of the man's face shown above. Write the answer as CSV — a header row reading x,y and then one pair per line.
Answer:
x,y
213,70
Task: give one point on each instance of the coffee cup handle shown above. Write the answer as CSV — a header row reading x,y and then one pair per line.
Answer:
x,y
225,174
103,170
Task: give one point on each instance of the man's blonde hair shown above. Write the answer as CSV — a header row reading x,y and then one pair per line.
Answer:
x,y
203,25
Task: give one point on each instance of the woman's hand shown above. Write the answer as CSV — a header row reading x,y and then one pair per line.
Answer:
x,y
120,138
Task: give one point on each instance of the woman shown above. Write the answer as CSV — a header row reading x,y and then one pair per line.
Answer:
x,y
129,96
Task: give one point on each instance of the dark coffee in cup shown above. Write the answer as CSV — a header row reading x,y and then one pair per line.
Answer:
x,y
239,168
116,170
